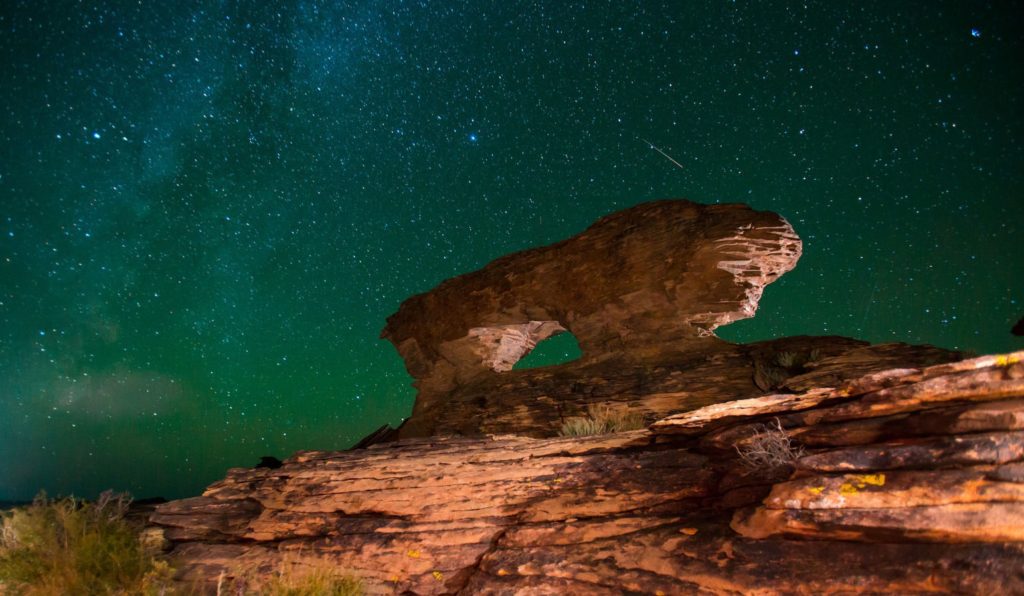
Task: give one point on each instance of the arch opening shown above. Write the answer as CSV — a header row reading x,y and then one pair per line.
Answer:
x,y
560,348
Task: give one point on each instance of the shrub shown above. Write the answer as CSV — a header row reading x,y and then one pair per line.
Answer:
x,y
318,581
292,578
772,374
786,359
69,546
768,448
602,419
794,362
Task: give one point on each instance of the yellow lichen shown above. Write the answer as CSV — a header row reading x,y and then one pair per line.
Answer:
x,y
815,490
437,575
860,481
1007,360
415,554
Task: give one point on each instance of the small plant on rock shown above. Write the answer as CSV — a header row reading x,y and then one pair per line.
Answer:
x,y
602,419
786,359
771,373
769,448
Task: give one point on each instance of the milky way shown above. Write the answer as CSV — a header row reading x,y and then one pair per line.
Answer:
x,y
207,209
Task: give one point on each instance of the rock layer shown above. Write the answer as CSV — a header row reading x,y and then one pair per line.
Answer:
x,y
909,480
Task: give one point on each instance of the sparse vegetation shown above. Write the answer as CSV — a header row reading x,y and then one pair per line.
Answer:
x,y
602,419
70,546
772,373
785,359
769,378
795,362
769,447
294,578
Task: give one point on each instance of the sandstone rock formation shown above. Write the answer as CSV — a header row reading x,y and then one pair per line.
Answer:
x,y
803,464
903,481
642,290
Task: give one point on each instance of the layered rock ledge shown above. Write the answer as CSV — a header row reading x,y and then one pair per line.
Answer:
x,y
905,481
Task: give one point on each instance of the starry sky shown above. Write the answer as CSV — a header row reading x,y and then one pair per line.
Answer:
x,y
207,209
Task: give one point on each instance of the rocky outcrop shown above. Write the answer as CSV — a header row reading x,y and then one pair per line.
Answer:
x,y
642,290
907,480
803,464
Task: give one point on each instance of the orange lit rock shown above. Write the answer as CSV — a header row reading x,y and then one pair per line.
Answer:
x,y
647,511
894,468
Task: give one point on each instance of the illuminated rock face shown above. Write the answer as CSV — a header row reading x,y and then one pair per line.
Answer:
x,y
637,286
902,481
797,465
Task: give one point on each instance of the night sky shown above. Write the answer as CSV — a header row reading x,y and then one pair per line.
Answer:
x,y
207,209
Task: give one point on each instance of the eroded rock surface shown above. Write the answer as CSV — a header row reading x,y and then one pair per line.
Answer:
x,y
901,481
642,290
798,465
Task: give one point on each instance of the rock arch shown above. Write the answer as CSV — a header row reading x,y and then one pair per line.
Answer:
x,y
656,277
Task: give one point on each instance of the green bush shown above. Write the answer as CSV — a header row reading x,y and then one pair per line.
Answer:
x,y
602,419
71,547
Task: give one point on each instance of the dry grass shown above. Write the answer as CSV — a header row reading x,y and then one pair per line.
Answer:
x,y
793,360
293,577
768,448
68,546
602,419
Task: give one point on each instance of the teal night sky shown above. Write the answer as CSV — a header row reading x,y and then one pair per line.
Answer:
x,y
207,209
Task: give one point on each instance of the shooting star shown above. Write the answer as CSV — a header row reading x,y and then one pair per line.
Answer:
x,y
658,149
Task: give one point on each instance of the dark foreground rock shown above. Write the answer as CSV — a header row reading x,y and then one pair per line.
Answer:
x,y
902,481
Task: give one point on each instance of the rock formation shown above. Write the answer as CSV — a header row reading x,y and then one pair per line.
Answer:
x,y
904,481
642,290
794,465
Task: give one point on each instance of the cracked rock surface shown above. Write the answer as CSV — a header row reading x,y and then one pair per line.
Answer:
x,y
797,465
906,481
